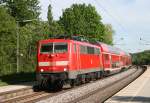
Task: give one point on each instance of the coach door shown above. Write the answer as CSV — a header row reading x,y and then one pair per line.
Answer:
x,y
106,61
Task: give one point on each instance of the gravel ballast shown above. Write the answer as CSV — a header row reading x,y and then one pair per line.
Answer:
x,y
87,89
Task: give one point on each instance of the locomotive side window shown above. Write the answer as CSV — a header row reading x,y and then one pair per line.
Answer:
x,y
96,51
90,50
83,49
74,48
47,48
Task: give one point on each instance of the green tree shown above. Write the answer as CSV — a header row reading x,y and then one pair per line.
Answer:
x,y
141,58
82,19
7,42
108,37
49,15
23,9
30,35
54,26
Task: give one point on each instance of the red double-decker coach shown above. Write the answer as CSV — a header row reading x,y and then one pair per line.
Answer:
x,y
114,59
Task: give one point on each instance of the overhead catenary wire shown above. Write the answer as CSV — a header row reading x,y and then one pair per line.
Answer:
x,y
110,15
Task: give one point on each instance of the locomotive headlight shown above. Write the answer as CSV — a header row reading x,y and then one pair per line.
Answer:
x,y
42,70
65,69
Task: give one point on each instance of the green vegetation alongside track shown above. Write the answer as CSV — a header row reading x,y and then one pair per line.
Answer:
x,y
141,58
16,78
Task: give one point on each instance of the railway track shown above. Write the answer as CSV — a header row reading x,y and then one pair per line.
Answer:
x,y
27,95
15,93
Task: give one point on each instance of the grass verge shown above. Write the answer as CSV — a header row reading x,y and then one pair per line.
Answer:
x,y
17,78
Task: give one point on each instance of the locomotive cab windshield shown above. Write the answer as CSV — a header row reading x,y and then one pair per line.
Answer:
x,y
56,47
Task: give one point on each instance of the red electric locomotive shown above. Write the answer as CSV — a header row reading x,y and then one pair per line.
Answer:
x,y
70,61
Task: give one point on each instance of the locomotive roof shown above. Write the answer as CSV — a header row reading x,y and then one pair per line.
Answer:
x,y
51,40
66,40
104,47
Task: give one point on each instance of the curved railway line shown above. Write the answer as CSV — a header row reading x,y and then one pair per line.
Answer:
x,y
102,94
108,86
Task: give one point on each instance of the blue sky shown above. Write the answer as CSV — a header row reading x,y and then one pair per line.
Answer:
x,y
130,19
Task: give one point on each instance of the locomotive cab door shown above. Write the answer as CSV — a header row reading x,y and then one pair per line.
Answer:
x,y
74,65
76,62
